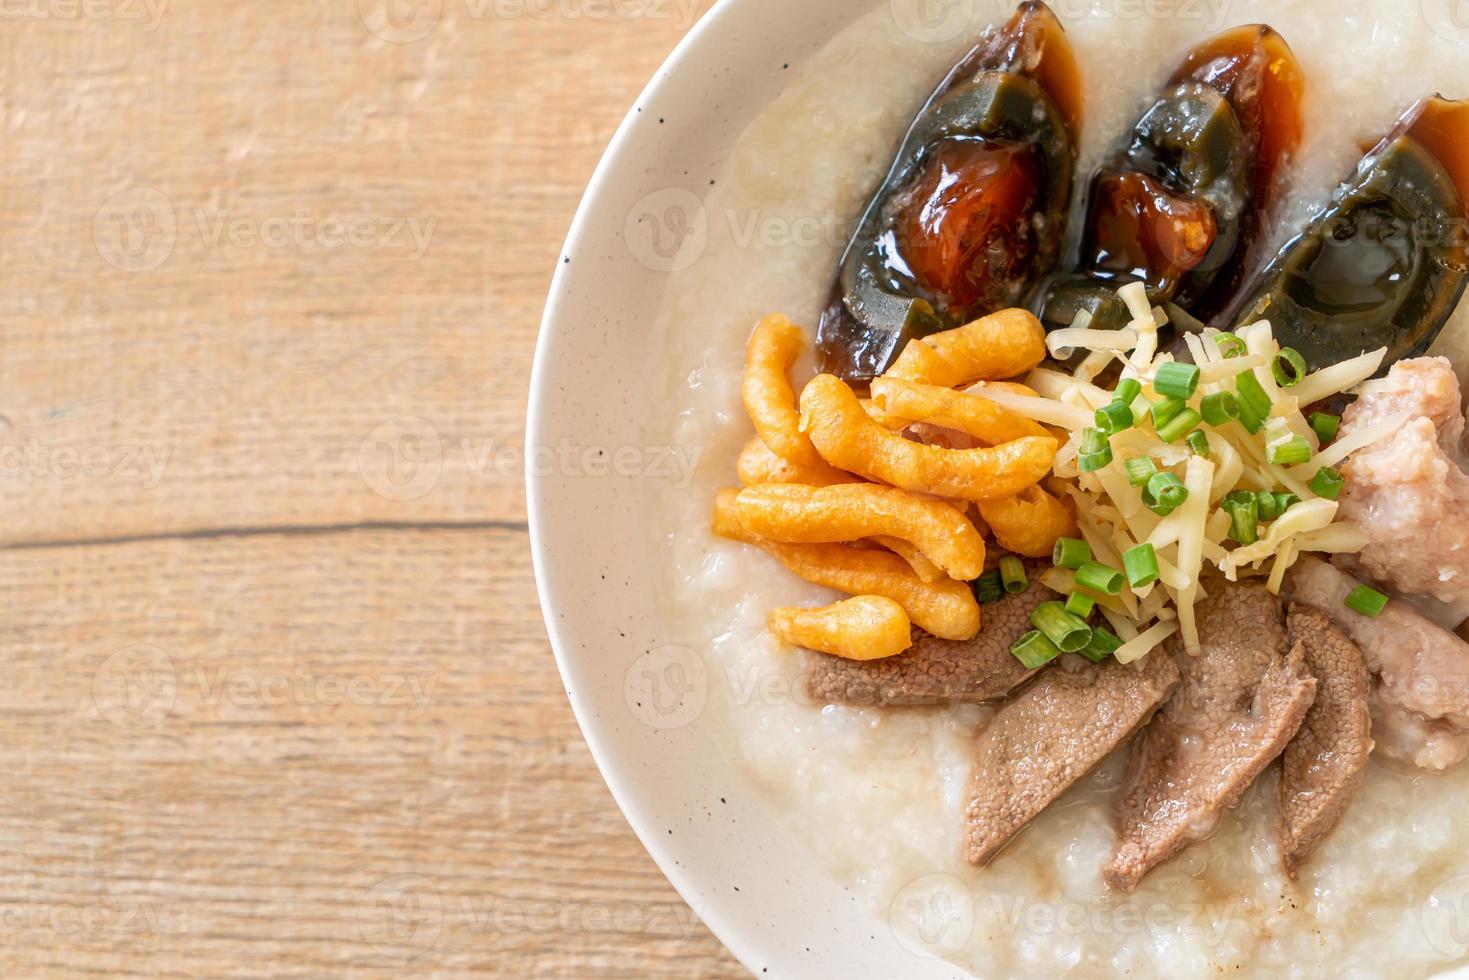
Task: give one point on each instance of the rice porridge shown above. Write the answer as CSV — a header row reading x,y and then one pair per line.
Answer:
x,y
879,794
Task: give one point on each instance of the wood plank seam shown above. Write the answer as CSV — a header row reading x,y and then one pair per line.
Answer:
x,y
290,530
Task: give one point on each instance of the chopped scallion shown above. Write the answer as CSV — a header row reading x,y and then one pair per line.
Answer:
x,y
989,587
1367,601
1069,633
1164,493
1288,452
1271,505
1289,367
1104,643
1198,441
1180,425
1231,345
1099,578
1140,470
1325,426
1080,605
1141,566
1176,380
1114,418
1219,408
1128,390
1243,508
1070,553
1327,483
1033,650
1012,574
1167,410
1254,402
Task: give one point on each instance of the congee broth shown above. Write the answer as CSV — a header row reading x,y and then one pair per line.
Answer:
x,y
1079,404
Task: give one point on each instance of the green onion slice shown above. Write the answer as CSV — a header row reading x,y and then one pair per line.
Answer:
x,y
1289,367
1099,578
1367,601
1128,390
1325,426
1091,462
1164,491
1033,650
1176,380
1167,410
1080,605
1114,418
1288,452
1012,575
989,587
1140,470
1141,566
1231,345
1219,408
1070,553
1327,483
1104,643
1198,441
1243,508
1271,505
1069,633
1180,425
1254,402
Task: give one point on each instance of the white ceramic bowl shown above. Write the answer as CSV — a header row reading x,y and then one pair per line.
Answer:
x,y
598,561
597,565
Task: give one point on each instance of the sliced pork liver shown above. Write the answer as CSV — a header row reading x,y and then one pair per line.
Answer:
x,y
1420,707
936,671
1325,763
1241,701
1059,729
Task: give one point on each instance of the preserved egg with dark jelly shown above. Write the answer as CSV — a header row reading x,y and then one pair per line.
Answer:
x,y
972,213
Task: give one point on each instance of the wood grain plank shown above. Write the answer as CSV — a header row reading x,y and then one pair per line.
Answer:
x,y
307,755
257,245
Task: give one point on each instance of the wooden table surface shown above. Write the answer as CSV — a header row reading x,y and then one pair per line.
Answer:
x,y
276,699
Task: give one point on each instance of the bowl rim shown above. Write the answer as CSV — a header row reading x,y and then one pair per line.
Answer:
x,y
737,940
